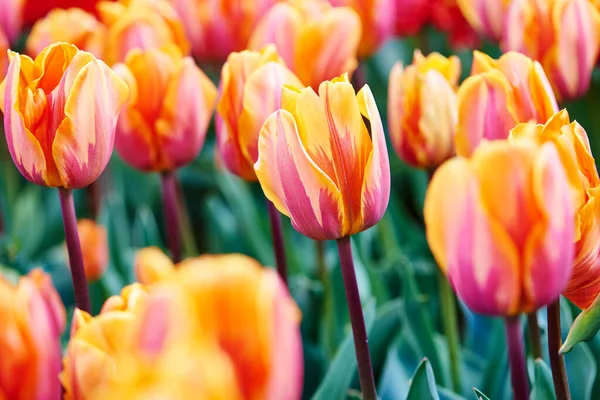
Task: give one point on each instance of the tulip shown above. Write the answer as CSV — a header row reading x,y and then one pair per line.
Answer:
x,y
94,246
485,16
11,18
317,42
250,91
422,109
32,319
140,24
36,9
377,18
563,35
447,17
217,28
73,26
152,265
4,47
411,16
499,95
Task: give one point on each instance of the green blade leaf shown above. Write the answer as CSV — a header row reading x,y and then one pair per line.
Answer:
x,y
584,328
423,385
543,387
479,395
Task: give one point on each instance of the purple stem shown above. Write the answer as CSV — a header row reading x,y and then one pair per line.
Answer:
x,y
361,343
278,246
557,361
80,287
516,356
171,214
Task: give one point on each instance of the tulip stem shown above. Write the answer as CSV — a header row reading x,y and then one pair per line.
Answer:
x,y
361,343
557,361
516,355
171,214
533,330
449,320
80,287
321,264
277,237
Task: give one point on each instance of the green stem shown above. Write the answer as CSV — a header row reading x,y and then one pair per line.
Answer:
x,y
533,329
449,320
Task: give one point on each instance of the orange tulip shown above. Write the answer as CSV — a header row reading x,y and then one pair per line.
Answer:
x,y
217,28
94,246
250,91
32,319
73,26
163,126
487,17
60,113
152,265
501,225
422,109
142,25
322,160
563,35
377,17
317,42
499,95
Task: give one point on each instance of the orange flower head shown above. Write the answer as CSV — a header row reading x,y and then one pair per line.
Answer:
x,y
250,91
33,318
60,112
94,246
164,124
317,41
152,265
423,109
73,26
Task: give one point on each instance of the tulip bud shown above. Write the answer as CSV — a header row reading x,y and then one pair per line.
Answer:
x,y
501,226
499,95
32,319
60,112
317,42
11,18
217,28
422,109
94,248
73,26
163,126
142,25
322,160
152,265
411,16
563,35
250,91
485,16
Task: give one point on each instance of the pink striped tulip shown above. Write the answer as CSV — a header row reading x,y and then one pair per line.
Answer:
x,y
323,162
423,109
497,96
60,112
486,16
32,318
563,35
317,42
501,226
250,91
164,124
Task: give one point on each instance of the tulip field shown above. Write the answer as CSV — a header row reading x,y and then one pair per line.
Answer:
x,y
299,199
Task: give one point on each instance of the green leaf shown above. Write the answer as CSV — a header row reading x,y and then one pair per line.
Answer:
x,y
339,375
479,395
543,387
584,328
422,386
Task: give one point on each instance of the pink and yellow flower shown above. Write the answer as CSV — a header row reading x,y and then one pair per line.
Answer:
x,y
487,17
250,91
501,225
323,162
317,41
11,18
499,95
60,112
423,109
563,35
32,319
164,124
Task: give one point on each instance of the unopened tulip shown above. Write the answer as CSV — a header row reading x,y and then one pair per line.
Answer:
x,y
317,41
60,112
73,26
501,226
563,35
485,16
574,148
32,318
377,17
323,162
422,109
499,95
250,91
164,123
411,16
217,28
142,25
94,247
152,265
